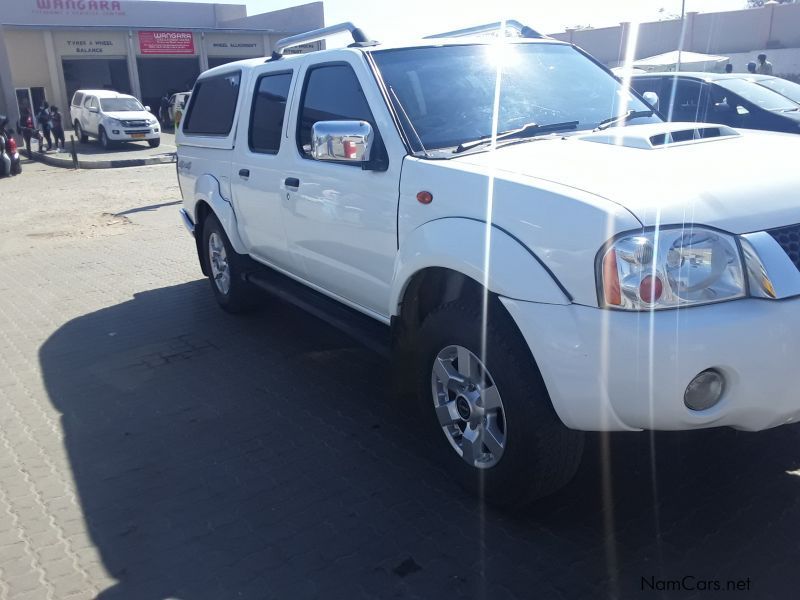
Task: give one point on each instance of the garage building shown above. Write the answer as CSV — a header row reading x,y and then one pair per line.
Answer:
x,y
50,48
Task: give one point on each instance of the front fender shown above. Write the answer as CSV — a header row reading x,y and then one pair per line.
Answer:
x,y
207,190
458,244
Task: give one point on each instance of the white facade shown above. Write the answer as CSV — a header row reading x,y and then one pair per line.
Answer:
x,y
50,48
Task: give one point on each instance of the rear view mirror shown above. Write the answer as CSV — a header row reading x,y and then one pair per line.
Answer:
x,y
93,109
742,110
341,141
147,108
652,99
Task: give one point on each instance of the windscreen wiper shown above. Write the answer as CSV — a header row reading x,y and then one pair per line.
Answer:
x,y
628,116
530,129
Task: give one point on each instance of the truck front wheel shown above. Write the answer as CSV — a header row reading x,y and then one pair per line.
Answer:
x,y
490,413
225,269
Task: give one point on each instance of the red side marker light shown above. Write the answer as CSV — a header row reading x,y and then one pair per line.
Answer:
x,y
425,197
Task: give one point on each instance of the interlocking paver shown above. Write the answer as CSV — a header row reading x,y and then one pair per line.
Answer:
x,y
152,446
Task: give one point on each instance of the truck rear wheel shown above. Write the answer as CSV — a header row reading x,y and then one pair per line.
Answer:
x,y
225,269
491,416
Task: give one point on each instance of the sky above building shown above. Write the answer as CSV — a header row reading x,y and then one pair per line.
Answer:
x,y
396,19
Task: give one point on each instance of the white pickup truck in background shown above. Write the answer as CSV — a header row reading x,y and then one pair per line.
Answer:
x,y
544,261
111,117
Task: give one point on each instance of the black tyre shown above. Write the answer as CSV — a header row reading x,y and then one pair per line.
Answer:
x,y
104,141
154,143
225,269
80,134
492,420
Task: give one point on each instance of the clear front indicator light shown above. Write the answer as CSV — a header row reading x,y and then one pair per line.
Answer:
x,y
704,391
669,268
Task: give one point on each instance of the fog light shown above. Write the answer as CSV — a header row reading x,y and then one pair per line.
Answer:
x,y
704,391
115,131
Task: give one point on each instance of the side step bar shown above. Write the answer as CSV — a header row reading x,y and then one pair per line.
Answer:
x,y
367,331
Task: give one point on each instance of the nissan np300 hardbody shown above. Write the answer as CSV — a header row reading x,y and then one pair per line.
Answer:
x,y
548,256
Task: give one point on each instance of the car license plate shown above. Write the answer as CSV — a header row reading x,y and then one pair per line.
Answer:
x,y
137,136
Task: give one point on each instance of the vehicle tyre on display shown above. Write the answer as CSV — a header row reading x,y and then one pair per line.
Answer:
x,y
492,419
154,143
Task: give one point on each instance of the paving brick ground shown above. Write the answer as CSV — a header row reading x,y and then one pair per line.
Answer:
x,y
152,447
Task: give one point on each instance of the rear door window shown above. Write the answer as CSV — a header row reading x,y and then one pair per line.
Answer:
x,y
213,105
268,113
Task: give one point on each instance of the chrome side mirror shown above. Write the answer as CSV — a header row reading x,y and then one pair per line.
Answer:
x,y
652,99
342,141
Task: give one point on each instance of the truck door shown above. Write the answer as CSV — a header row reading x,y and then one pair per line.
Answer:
x,y
259,169
341,220
90,116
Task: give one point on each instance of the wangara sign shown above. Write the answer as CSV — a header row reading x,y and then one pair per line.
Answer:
x,y
79,7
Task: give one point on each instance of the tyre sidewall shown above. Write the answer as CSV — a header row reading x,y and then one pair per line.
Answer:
x,y
529,416
239,297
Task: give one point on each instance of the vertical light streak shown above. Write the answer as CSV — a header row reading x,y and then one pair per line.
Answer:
x,y
487,240
605,357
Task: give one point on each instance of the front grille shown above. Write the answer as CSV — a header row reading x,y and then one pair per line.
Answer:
x,y
789,239
137,123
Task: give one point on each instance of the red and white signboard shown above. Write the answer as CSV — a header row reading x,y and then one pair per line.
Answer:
x,y
166,42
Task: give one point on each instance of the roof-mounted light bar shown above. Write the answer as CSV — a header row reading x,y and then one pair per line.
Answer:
x,y
523,30
359,38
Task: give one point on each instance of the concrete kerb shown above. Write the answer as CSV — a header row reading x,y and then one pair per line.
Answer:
x,y
66,162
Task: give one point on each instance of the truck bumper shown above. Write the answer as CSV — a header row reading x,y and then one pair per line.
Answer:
x,y
142,135
613,370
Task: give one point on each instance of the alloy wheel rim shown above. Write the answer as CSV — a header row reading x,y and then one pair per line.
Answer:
x,y
220,269
468,407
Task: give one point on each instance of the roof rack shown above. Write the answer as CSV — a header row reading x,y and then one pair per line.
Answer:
x,y
523,30
359,38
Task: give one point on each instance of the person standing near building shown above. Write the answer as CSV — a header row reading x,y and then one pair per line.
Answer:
x,y
26,128
764,66
5,159
43,117
729,68
58,127
163,110
751,67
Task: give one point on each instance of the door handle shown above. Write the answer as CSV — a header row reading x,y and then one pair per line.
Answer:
x,y
292,182
244,173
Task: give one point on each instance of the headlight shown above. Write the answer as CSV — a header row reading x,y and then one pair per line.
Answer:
x,y
668,268
116,122
151,121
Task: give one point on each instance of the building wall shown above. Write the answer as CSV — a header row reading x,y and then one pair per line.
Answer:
x,y
773,29
37,35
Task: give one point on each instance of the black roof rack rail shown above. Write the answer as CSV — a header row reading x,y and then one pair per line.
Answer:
x,y
523,30
359,38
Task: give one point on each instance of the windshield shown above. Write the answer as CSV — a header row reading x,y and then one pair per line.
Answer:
x,y
783,86
448,93
120,104
758,95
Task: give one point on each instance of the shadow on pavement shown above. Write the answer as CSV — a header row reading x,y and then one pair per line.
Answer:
x,y
260,457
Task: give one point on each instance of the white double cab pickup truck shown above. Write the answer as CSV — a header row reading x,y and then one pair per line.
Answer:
x,y
539,251
112,117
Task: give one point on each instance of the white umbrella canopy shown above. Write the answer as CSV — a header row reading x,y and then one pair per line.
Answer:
x,y
689,61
